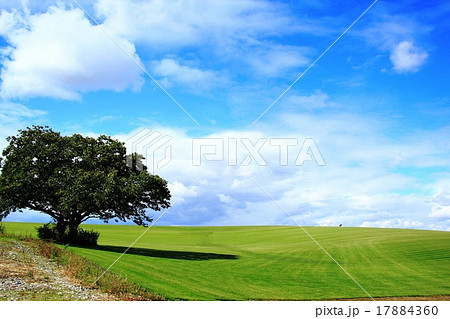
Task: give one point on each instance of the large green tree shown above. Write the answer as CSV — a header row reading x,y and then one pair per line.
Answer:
x,y
74,178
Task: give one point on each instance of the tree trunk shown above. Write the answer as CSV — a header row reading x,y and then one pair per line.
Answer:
x,y
73,231
61,226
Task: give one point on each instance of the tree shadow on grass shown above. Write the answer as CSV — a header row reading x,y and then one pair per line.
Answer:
x,y
171,254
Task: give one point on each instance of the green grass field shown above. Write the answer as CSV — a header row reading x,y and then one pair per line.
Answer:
x,y
273,263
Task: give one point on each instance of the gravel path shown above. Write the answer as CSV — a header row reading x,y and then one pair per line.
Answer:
x,y
25,275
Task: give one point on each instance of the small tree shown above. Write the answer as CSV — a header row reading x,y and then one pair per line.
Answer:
x,y
75,178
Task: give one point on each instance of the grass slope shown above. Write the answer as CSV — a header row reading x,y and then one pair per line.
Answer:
x,y
273,263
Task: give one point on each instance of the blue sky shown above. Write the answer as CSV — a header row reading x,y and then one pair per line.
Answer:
x,y
376,104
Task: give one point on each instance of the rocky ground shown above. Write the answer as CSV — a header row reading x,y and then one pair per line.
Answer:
x,y
25,275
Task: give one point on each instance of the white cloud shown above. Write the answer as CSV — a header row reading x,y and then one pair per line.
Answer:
x,y
235,31
60,54
442,198
9,111
361,184
9,22
318,100
397,35
181,23
177,189
226,199
389,30
407,58
270,59
440,212
172,72
28,6
441,206
14,116
394,223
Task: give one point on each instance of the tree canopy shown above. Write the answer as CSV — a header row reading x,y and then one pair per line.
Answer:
x,y
75,178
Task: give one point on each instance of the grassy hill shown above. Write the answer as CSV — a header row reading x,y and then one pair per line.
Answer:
x,y
273,263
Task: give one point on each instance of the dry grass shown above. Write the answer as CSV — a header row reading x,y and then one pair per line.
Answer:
x,y
24,275
86,272
31,269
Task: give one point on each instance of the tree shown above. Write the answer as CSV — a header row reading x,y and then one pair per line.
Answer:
x,y
75,178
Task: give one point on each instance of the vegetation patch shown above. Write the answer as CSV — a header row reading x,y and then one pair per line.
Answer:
x,y
91,275
32,269
49,232
25,275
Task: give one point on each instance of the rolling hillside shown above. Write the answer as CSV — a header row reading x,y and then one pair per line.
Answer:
x,y
273,262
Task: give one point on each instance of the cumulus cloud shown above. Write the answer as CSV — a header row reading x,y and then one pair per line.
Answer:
x,y
67,48
270,59
442,198
236,31
360,185
399,36
30,6
226,199
394,223
10,21
174,73
181,23
60,54
406,57
178,189
318,100
441,206
440,212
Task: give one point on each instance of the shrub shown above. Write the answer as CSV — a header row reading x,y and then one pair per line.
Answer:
x,y
83,237
2,229
87,237
47,232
